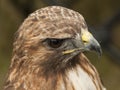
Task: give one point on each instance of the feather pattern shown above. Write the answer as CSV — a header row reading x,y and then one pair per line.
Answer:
x,y
36,66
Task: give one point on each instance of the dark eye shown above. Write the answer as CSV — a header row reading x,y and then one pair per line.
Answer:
x,y
55,43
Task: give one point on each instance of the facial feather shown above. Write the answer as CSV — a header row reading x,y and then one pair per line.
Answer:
x,y
38,61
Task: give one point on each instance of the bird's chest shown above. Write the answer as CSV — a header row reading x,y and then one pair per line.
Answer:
x,y
74,79
80,80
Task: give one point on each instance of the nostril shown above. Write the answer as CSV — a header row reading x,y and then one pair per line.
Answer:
x,y
84,41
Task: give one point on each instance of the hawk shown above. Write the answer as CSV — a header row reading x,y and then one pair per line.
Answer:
x,y
48,53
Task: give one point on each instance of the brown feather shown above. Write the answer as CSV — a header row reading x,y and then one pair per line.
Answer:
x,y
34,66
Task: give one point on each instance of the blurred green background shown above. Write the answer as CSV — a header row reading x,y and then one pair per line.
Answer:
x,y
96,14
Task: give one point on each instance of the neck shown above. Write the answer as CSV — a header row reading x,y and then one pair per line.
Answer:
x,y
78,76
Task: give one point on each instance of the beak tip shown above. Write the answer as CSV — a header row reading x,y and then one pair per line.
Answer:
x,y
97,49
100,52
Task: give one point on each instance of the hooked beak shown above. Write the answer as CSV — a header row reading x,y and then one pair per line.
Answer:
x,y
90,43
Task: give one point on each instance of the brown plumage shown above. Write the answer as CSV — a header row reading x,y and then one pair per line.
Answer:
x,y
48,53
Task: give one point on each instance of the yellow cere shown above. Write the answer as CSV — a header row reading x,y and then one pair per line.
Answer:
x,y
86,36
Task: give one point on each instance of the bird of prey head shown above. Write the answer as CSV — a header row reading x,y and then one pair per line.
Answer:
x,y
48,45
